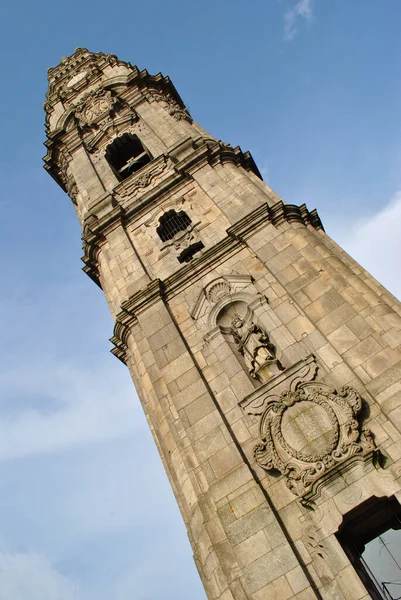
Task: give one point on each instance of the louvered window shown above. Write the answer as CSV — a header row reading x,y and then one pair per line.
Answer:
x,y
126,155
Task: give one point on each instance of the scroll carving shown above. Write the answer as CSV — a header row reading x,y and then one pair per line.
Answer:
x,y
308,433
179,114
184,239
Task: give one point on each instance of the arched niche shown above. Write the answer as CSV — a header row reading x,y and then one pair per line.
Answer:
x,y
236,321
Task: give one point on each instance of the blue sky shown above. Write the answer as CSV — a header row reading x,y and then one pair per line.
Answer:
x,y
312,89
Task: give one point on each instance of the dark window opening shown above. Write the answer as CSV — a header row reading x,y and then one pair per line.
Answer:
x,y
172,223
370,535
126,155
188,254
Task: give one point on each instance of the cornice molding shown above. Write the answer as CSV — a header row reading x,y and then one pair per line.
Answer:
x,y
276,214
143,299
92,239
125,319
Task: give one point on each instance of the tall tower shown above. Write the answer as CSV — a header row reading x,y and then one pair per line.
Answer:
x,y
266,359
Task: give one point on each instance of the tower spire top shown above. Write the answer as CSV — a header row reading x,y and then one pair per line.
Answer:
x,y
78,68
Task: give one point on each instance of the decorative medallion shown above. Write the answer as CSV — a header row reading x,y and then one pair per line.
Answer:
x,y
309,432
95,104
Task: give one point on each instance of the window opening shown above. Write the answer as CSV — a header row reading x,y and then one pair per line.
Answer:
x,y
188,254
370,535
172,223
126,155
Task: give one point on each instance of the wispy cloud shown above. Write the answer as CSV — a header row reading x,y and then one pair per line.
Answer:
x,y
301,11
31,576
375,243
83,409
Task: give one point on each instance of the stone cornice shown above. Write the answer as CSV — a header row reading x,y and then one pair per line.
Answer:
x,y
205,262
139,301
210,151
276,214
92,239
199,266
166,289
143,299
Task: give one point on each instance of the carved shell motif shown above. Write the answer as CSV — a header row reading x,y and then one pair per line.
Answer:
x,y
218,291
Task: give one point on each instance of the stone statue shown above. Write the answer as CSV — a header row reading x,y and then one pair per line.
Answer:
x,y
254,345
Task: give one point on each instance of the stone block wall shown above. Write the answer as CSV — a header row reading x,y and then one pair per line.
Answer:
x,y
319,302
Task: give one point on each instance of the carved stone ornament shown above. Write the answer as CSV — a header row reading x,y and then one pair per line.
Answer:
x,y
62,161
179,114
287,380
72,189
77,81
217,290
173,108
255,346
309,433
184,239
95,104
148,175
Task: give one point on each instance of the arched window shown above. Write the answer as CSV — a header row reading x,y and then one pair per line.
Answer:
x,y
171,223
126,155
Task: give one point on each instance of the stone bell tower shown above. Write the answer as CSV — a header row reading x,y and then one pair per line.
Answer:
x,y
266,359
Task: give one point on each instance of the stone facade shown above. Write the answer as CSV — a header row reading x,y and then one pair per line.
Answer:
x,y
266,359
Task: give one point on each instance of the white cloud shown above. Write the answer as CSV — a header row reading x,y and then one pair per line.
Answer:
x,y
86,407
32,577
301,11
60,387
375,242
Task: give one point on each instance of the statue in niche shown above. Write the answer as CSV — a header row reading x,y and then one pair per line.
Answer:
x,y
256,348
